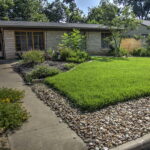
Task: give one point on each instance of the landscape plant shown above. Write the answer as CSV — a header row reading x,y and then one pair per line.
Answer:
x,y
74,40
11,95
40,72
33,57
12,114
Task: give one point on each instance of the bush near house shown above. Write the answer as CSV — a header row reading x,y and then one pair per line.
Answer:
x,y
40,72
33,57
142,52
76,56
12,114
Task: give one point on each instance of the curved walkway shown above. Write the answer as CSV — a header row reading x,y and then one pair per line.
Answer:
x,y
43,131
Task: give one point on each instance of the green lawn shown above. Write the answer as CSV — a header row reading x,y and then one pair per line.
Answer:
x,y
104,81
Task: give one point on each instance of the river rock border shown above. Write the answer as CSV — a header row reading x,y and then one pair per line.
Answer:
x,y
105,128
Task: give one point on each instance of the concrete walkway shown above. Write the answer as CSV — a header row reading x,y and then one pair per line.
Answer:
x,y
43,130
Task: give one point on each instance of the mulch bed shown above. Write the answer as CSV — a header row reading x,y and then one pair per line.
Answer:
x,y
105,128
102,129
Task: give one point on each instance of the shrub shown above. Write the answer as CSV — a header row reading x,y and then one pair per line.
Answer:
x,y
123,52
10,95
66,53
69,66
141,52
12,115
41,72
33,57
74,40
78,57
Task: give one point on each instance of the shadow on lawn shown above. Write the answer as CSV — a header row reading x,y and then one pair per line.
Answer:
x,y
109,59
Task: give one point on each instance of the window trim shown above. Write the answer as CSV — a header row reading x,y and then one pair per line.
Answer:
x,y
32,31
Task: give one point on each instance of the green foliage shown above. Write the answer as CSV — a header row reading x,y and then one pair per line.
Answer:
x,y
143,52
65,53
123,52
64,11
104,81
26,10
148,41
5,7
40,72
102,14
76,56
69,66
33,57
12,115
12,95
118,20
74,40
141,8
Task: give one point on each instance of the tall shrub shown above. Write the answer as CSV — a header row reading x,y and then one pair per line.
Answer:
x,y
74,40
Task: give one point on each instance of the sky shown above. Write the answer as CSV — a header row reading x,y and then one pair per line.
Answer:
x,y
85,4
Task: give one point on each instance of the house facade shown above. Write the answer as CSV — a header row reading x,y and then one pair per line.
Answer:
x,y
20,36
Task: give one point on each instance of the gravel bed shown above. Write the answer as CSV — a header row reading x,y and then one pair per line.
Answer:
x,y
105,128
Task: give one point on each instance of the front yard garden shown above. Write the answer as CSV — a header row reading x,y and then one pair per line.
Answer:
x,y
104,81
103,99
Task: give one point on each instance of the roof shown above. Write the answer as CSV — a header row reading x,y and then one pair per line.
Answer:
x,y
145,22
49,25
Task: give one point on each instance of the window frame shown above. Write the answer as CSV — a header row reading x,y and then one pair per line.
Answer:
x,y
32,34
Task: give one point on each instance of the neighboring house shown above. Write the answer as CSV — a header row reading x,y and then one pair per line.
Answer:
x,y
142,30
20,36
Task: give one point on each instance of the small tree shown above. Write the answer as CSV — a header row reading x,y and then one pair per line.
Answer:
x,y
74,40
118,20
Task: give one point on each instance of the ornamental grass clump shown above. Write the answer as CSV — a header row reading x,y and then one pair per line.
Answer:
x,y
33,57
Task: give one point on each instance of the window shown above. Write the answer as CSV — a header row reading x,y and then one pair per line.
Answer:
x,y
105,43
29,40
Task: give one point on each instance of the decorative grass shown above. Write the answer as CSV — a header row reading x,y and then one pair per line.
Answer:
x,y
104,81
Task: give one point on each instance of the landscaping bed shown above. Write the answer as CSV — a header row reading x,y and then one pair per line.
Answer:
x,y
84,96
105,128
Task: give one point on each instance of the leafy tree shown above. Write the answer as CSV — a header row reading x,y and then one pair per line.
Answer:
x,y
74,40
55,11
27,10
118,20
103,12
5,8
141,8
66,11
73,13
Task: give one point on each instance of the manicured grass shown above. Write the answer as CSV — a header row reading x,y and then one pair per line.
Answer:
x,y
104,81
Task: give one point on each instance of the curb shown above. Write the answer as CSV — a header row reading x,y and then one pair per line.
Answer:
x,y
142,143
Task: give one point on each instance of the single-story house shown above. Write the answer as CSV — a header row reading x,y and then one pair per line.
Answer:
x,y
20,36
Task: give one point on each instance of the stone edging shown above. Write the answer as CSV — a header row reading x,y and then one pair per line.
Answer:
x,y
142,143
